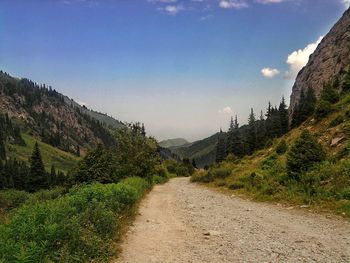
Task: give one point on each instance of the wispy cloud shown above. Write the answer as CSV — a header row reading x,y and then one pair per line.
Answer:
x,y
269,72
171,9
233,4
225,110
299,58
266,2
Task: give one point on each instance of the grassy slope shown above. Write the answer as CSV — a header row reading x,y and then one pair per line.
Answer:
x,y
62,160
325,131
173,143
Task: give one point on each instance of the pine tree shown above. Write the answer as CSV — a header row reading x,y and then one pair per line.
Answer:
x,y
2,147
310,101
284,117
305,152
295,117
78,151
221,148
329,93
261,131
194,163
53,176
251,136
37,175
3,183
345,86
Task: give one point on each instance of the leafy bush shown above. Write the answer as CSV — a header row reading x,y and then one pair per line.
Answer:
x,y
345,194
220,172
269,162
305,153
235,185
156,179
202,176
76,227
282,147
10,199
323,108
335,122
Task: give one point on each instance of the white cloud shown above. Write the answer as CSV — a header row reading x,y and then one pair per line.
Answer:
x,y
266,2
269,72
226,110
171,9
346,3
233,4
299,58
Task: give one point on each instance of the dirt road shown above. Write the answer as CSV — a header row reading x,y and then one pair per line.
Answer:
x,y
184,222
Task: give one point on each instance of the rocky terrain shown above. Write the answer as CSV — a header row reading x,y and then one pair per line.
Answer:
x,y
330,59
183,222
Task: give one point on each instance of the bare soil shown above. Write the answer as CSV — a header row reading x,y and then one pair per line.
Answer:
x,y
184,222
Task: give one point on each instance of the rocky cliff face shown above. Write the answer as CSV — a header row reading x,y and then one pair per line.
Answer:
x,y
330,60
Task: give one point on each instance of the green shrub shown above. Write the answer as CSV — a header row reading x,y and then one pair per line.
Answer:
x,y
10,199
269,162
335,122
182,171
305,153
156,179
323,108
235,185
202,176
220,172
282,147
76,227
345,194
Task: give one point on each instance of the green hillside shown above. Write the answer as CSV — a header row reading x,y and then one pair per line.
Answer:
x,y
62,160
171,143
264,175
202,151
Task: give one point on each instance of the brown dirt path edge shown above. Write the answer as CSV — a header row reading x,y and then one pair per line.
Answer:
x,y
184,222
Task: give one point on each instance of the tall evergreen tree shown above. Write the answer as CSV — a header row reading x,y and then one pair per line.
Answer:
x,y
37,175
251,136
284,117
261,131
221,148
2,147
329,93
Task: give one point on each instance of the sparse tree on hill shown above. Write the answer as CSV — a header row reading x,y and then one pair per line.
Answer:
x,y
37,178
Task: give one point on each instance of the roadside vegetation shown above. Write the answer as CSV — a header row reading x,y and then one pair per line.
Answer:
x,y
80,219
307,166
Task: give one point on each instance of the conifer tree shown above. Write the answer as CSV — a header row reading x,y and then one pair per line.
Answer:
x,y
305,152
37,176
284,117
345,86
251,136
329,93
221,148
2,147
261,131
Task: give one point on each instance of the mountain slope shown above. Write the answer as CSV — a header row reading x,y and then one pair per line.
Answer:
x,y
328,63
173,143
203,151
308,166
46,114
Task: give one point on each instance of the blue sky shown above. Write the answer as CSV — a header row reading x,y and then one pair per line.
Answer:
x,y
181,67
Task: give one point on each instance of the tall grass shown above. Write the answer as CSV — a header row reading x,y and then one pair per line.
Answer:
x,y
78,226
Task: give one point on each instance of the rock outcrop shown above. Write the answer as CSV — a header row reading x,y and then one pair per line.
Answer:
x,y
329,61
